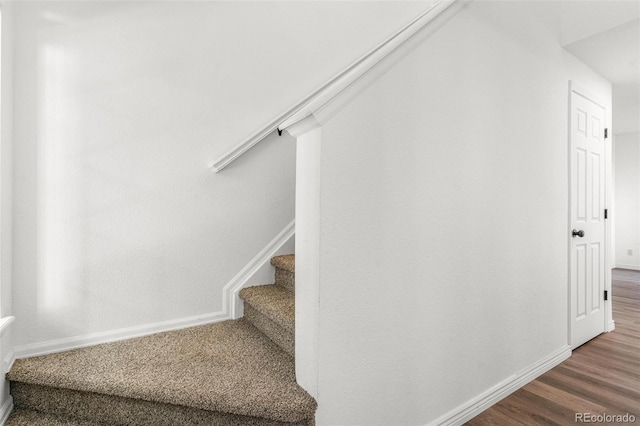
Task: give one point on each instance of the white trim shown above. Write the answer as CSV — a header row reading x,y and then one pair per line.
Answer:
x,y
611,326
6,409
256,269
350,83
252,140
303,126
4,323
335,85
60,345
581,90
625,266
475,406
9,360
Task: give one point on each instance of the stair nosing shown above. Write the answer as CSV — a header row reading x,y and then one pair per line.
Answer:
x,y
280,262
272,314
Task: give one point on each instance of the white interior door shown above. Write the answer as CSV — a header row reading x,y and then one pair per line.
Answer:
x,y
587,233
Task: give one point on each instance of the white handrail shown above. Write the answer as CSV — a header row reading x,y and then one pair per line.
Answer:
x,y
336,84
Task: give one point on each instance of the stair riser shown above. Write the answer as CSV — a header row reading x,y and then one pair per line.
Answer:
x,y
286,279
114,410
282,337
23,417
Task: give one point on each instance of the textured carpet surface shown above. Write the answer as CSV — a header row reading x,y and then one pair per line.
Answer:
x,y
285,271
286,262
286,280
274,302
115,410
284,339
228,366
21,417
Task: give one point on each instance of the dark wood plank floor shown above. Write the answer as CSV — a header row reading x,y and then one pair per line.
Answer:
x,y
602,376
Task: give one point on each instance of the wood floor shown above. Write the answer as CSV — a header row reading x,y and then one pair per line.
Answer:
x,y
602,376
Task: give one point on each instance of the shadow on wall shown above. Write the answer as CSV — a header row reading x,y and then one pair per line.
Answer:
x,y
118,220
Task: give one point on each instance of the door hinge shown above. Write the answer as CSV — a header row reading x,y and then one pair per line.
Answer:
x,y
606,133
606,295
606,213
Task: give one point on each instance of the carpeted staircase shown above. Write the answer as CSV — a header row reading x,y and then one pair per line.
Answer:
x,y
231,373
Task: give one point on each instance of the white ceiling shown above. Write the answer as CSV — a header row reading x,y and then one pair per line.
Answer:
x,y
584,18
605,35
614,54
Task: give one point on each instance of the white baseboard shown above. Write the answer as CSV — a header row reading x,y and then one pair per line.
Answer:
x,y
611,326
6,409
628,266
258,270
8,361
65,344
475,406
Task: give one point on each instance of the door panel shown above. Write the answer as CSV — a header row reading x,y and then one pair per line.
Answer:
x,y
587,214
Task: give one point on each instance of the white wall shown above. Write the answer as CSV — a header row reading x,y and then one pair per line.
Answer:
x,y
6,196
119,109
627,119
6,155
627,195
444,221
308,156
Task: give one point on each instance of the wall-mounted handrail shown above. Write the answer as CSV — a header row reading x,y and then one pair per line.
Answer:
x,y
335,84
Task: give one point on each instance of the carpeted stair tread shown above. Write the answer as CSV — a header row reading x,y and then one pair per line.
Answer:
x,y
21,417
274,302
228,367
278,335
286,262
116,410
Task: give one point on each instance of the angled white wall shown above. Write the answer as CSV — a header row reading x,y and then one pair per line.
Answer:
x,y
443,223
119,109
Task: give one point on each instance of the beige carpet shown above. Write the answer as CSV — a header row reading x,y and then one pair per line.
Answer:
x,y
286,262
271,309
227,373
21,417
285,271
